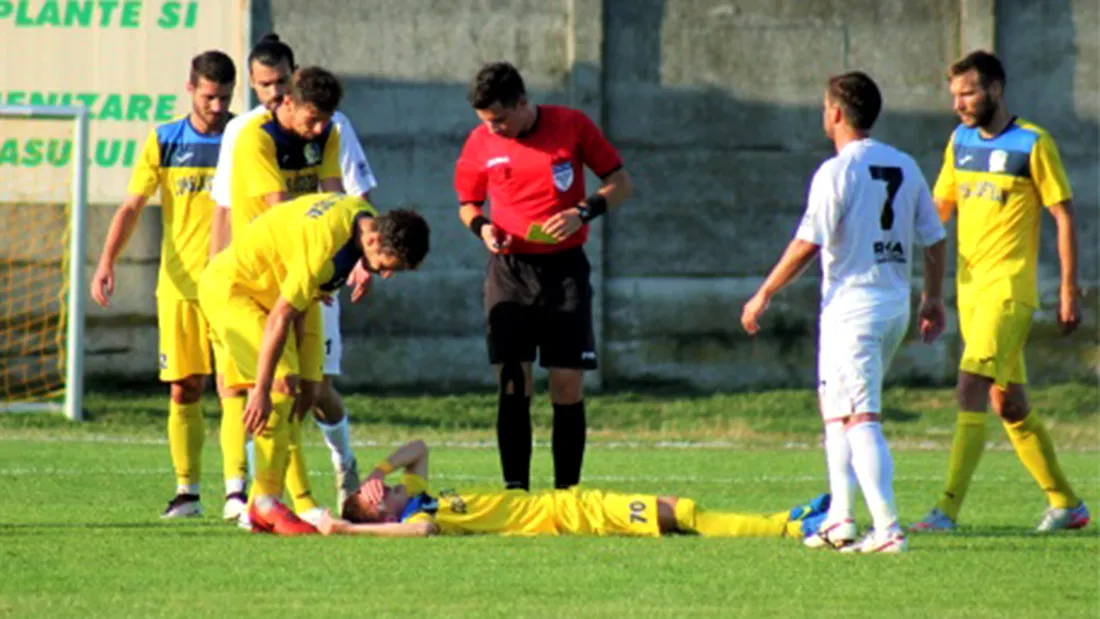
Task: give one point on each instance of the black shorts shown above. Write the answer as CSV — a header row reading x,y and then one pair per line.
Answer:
x,y
540,302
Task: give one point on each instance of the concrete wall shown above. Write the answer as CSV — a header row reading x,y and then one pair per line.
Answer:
x,y
715,108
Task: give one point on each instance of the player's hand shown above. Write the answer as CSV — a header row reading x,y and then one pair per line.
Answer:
x,y
373,489
103,284
328,299
329,525
359,281
1069,311
752,311
257,410
563,224
495,239
933,319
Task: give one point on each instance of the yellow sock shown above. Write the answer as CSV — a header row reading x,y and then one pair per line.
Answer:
x,y
1036,450
297,473
692,519
271,449
185,434
233,438
966,452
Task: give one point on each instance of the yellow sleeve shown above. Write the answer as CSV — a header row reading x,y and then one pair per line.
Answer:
x,y
945,183
421,517
1048,173
257,163
330,160
310,263
414,484
146,176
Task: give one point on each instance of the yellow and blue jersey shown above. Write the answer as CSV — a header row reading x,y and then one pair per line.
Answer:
x,y
181,161
267,159
1000,186
511,512
297,250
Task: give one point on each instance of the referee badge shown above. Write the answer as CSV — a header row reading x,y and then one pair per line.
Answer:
x,y
563,174
312,153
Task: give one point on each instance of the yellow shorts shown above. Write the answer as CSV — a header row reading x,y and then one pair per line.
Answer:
x,y
237,328
311,348
184,348
594,512
994,335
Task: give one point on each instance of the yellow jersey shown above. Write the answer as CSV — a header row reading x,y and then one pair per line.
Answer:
x,y
1000,186
181,161
267,159
298,250
511,512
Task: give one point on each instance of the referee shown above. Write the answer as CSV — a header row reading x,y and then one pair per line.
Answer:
x,y
527,161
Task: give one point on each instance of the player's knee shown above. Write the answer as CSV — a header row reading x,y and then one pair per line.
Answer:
x,y
858,418
972,393
187,390
514,380
287,385
1010,405
566,386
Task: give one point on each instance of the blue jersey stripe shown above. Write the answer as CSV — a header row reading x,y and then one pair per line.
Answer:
x,y
993,161
182,155
291,150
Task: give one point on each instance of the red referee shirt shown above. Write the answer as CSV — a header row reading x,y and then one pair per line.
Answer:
x,y
530,178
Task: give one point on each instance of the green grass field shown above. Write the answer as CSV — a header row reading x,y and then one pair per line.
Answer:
x,y
79,533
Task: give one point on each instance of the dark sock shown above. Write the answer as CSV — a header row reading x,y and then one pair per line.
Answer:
x,y
568,443
514,440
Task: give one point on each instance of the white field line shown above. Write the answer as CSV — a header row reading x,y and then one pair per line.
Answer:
x,y
901,445
493,479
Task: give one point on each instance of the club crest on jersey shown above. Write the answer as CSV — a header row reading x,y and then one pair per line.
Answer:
x,y
312,153
563,175
998,159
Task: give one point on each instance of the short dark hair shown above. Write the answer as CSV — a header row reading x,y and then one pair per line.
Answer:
x,y
214,66
406,234
270,51
496,82
317,86
858,97
987,65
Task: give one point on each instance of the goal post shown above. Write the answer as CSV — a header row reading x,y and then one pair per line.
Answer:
x,y
42,282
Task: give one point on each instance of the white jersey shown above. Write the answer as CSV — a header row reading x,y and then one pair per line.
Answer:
x,y
358,177
868,205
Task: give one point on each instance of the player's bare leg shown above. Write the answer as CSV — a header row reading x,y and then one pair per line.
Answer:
x,y
569,425
516,384
332,419
185,438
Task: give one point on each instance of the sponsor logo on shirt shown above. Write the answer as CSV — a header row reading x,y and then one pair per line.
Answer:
x,y
495,161
997,161
889,251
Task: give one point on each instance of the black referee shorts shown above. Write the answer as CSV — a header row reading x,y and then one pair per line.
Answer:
x,y
540,302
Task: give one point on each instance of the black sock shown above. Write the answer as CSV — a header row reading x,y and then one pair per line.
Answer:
x,y
514,439
568,443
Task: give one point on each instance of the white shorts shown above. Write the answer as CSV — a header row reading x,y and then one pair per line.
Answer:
x,y
334,346
852,360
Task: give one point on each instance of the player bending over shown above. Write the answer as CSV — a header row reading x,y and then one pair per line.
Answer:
x,y
409,509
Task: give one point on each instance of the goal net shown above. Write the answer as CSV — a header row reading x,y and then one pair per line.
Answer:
x,y
43,189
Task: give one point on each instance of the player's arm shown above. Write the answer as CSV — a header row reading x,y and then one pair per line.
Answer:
x,y
1069,302
221,231
798,255
824,210
258,166
143,182
615,184
414,528
412,458
1052,184
330,173
279,322
355,169
944,191
471,186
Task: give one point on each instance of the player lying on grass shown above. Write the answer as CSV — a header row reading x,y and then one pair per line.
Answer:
x,y
409,510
